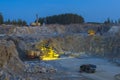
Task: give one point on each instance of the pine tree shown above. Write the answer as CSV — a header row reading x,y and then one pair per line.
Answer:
x,y
108,21
1,18
63,19
118,21
24,23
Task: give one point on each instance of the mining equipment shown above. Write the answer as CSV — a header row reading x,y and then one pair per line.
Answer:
x,y
36,23
88,68
44,51
91,32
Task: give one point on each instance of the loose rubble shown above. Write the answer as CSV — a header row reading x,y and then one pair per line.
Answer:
x,y
38,67
117,77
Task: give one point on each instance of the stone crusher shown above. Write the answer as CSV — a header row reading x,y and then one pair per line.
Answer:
x,y
44,51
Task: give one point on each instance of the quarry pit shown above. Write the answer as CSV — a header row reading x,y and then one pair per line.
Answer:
x,y
57,51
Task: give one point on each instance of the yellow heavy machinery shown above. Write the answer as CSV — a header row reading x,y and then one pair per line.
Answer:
x,y
48,53
37,22
91,32
33,53
44,51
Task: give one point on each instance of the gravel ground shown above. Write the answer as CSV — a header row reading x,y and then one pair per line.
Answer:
x,y
69,67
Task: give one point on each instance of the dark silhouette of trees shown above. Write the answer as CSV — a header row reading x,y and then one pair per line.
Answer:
x,y
7,22
62,19
1,18
41,20
24,23
108,21
119,21
19,22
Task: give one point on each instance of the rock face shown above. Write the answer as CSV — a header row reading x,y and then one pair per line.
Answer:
x,y
20,45
70,39
31,30
9,60
50,29
11,66
114,29
9,54
107,46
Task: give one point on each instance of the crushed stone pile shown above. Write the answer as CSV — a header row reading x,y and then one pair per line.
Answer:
x,y
38,67
117,77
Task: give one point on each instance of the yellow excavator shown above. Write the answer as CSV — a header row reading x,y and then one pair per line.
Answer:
x,y
45,51
91,32
48,53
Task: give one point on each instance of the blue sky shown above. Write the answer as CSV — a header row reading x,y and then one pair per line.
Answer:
x,y
91,10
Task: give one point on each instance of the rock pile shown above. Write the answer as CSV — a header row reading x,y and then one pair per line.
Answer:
x,y
7,76
38,67
117,77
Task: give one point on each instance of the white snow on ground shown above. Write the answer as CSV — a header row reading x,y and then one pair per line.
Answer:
x,y
105,70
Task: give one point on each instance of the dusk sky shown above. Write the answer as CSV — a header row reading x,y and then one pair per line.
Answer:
x,y
91,10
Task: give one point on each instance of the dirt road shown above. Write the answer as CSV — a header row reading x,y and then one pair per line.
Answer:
x,y
105,70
